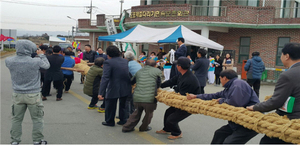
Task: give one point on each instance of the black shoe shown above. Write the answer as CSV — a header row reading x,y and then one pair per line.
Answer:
x,y
42,142
106,124
121,123
44,98
125,131
148,129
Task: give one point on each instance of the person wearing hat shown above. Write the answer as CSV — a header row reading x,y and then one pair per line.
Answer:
x,y
160,53
186,82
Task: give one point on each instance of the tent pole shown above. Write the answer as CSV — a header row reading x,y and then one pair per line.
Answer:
x,y
2,46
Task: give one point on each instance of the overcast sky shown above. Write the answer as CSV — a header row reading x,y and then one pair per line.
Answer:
x,y
46,17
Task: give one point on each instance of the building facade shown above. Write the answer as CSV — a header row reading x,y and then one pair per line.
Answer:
x,y
241,26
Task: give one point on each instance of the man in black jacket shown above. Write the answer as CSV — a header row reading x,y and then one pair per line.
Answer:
x,y
89,54
180,52
186,83
116,82
54,74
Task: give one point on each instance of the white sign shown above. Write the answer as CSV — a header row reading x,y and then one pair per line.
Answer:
x,y
111,29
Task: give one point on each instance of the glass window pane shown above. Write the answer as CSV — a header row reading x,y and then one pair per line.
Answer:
x,y
205,2
242,57
154,2
244,50
252,3
279,51
283,41
242,2
193,2
245,41
179,1
278,61
287,3
298,12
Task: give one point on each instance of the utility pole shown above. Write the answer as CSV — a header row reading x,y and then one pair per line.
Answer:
x,y
73,33
91,9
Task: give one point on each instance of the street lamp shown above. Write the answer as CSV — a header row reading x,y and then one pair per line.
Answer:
x,y
121,1
76,28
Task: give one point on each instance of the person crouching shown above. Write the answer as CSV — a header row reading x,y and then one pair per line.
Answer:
x,y
92,84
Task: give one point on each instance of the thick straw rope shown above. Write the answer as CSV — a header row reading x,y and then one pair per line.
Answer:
x,y
270,124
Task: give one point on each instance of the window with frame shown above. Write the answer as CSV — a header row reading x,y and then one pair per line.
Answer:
x,y
206,8
297,10
286,9
253,3
281,42
244,49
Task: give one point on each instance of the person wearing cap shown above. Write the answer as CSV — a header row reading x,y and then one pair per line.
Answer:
x,y
186,82
160,53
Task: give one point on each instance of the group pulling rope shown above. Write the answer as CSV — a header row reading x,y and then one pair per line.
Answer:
x,y
270,124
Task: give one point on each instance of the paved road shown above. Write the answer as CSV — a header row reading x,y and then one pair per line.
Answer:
x,y
70,122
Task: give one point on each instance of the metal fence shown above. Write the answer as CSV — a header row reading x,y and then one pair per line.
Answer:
x,y
287,12
271,74
209,10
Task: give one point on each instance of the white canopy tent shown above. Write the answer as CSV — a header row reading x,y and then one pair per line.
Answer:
x,y
143,34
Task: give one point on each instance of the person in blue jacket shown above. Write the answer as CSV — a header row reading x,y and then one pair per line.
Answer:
x,y
236,93
68,75
254,67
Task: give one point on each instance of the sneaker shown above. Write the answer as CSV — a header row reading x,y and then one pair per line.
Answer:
x,y
93,107
101,110
14,143
42,142
58,99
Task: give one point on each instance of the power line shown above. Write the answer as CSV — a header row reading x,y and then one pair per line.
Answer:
x,y
41,4
10,22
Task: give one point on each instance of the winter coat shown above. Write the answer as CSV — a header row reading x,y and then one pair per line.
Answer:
x,y
92,83
236,93
147,79
255,68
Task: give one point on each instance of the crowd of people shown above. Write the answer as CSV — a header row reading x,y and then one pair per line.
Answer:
x,y
113,74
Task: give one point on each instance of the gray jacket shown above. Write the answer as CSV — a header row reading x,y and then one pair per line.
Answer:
x,y
287,85
24,70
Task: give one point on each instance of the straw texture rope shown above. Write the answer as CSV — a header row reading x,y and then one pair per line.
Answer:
x,y
270,124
